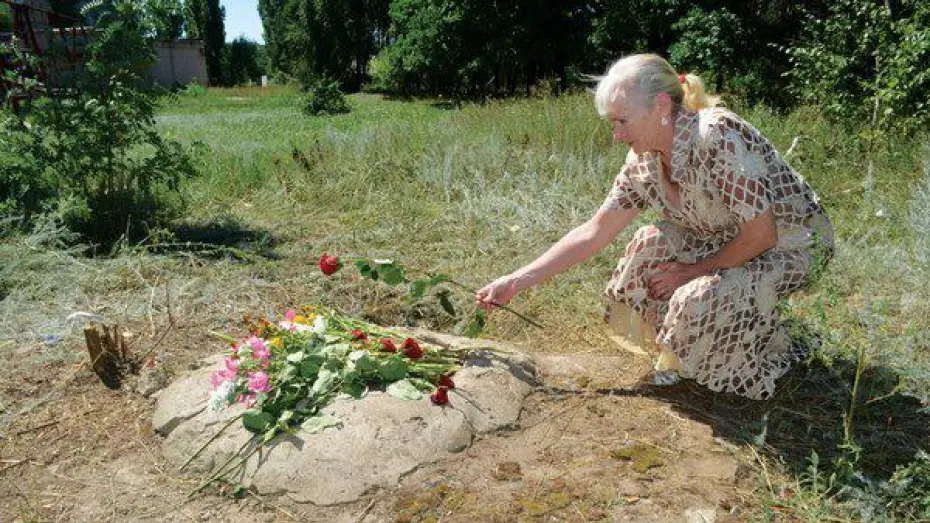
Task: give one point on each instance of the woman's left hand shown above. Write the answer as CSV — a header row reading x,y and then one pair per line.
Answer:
x,y
671,276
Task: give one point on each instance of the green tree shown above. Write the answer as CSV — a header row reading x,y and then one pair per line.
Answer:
x,y
166,18
865,54
315,39
6,18
204,20
242,61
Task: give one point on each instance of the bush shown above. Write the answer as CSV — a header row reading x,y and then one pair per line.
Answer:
x,y
323,96
95,155
863,50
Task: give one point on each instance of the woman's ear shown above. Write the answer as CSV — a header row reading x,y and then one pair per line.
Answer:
x,y
664,103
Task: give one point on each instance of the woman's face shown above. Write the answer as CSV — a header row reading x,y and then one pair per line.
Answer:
x,y
633,124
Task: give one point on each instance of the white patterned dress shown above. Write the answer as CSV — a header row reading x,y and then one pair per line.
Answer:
x,y
723,327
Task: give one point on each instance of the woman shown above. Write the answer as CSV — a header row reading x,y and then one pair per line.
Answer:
x,y
741,230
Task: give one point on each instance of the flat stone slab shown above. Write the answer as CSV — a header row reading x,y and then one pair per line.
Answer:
x,y
381,438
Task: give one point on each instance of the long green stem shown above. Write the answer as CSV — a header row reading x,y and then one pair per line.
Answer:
x,y
211,440
500,305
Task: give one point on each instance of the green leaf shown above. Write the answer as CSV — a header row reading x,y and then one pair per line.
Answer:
x,y
477,323
336,350
418,288
287,374
393,369
310,367
319,423
269,434
324,382
257,421
296,357
355,388
422,384
285,418
392,275
363,361
404,390
446,303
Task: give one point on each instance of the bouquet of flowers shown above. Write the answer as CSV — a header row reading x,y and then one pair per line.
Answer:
x,y
285,371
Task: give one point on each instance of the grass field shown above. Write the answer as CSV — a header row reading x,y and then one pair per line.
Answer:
x,y
475,192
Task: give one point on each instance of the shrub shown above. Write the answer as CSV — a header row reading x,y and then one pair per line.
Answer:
x,y
95,155
322,96
863,50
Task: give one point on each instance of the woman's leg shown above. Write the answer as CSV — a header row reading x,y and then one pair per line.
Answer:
x,y
725,328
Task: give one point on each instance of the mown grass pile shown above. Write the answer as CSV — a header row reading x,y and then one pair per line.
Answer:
x,y
475,192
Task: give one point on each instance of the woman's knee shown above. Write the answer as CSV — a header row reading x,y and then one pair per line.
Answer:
x,y
650,240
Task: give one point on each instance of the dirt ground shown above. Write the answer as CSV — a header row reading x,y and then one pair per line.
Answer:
x,y
593,444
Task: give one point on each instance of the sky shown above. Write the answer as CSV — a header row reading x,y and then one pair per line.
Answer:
x,y
242,20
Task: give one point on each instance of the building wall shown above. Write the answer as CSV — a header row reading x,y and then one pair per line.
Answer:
x,y
180,62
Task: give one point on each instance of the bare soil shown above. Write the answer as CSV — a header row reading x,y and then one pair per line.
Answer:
x,y
594,443
591,445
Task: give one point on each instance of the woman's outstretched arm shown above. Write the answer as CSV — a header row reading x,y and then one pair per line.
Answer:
x,y
579,244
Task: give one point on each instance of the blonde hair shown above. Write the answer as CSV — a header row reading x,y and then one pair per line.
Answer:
x,y
648,75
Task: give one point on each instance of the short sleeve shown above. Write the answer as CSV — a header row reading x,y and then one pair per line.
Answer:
x,y
739,173
623,195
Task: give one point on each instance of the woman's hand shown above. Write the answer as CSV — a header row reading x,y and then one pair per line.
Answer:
x,y
671,276
498,292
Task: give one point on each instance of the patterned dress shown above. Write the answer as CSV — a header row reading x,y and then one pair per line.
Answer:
x,y
723,327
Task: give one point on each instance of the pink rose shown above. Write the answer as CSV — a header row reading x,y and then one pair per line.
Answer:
x,y
258,382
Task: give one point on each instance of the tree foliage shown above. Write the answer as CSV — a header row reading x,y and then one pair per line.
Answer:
x,y
97,154
6,18
166,17
243,62
204,20
861,50
311,39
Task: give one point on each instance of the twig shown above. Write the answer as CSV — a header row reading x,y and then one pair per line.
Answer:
x,y
361,517
11,463
272,505
794,143
37,427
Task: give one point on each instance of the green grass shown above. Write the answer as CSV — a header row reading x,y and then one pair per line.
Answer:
x,y
476,192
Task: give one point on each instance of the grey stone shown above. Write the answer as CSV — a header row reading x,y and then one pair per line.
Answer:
x,y
381,438
701,515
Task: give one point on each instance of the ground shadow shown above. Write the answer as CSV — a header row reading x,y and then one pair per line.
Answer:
x,y
807,414
220,237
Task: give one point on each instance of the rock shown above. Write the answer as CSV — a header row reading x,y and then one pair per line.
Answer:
x,y
701,515
185,398
151,380
380,440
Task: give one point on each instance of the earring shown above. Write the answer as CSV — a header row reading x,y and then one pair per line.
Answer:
x,y
664,121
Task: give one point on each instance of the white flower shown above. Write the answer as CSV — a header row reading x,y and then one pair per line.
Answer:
x,y
219,398
293,326
319,326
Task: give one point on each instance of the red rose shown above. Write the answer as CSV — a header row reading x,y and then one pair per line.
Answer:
x,y
441,396
329,264
388,345
359,335
446,381
412,349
